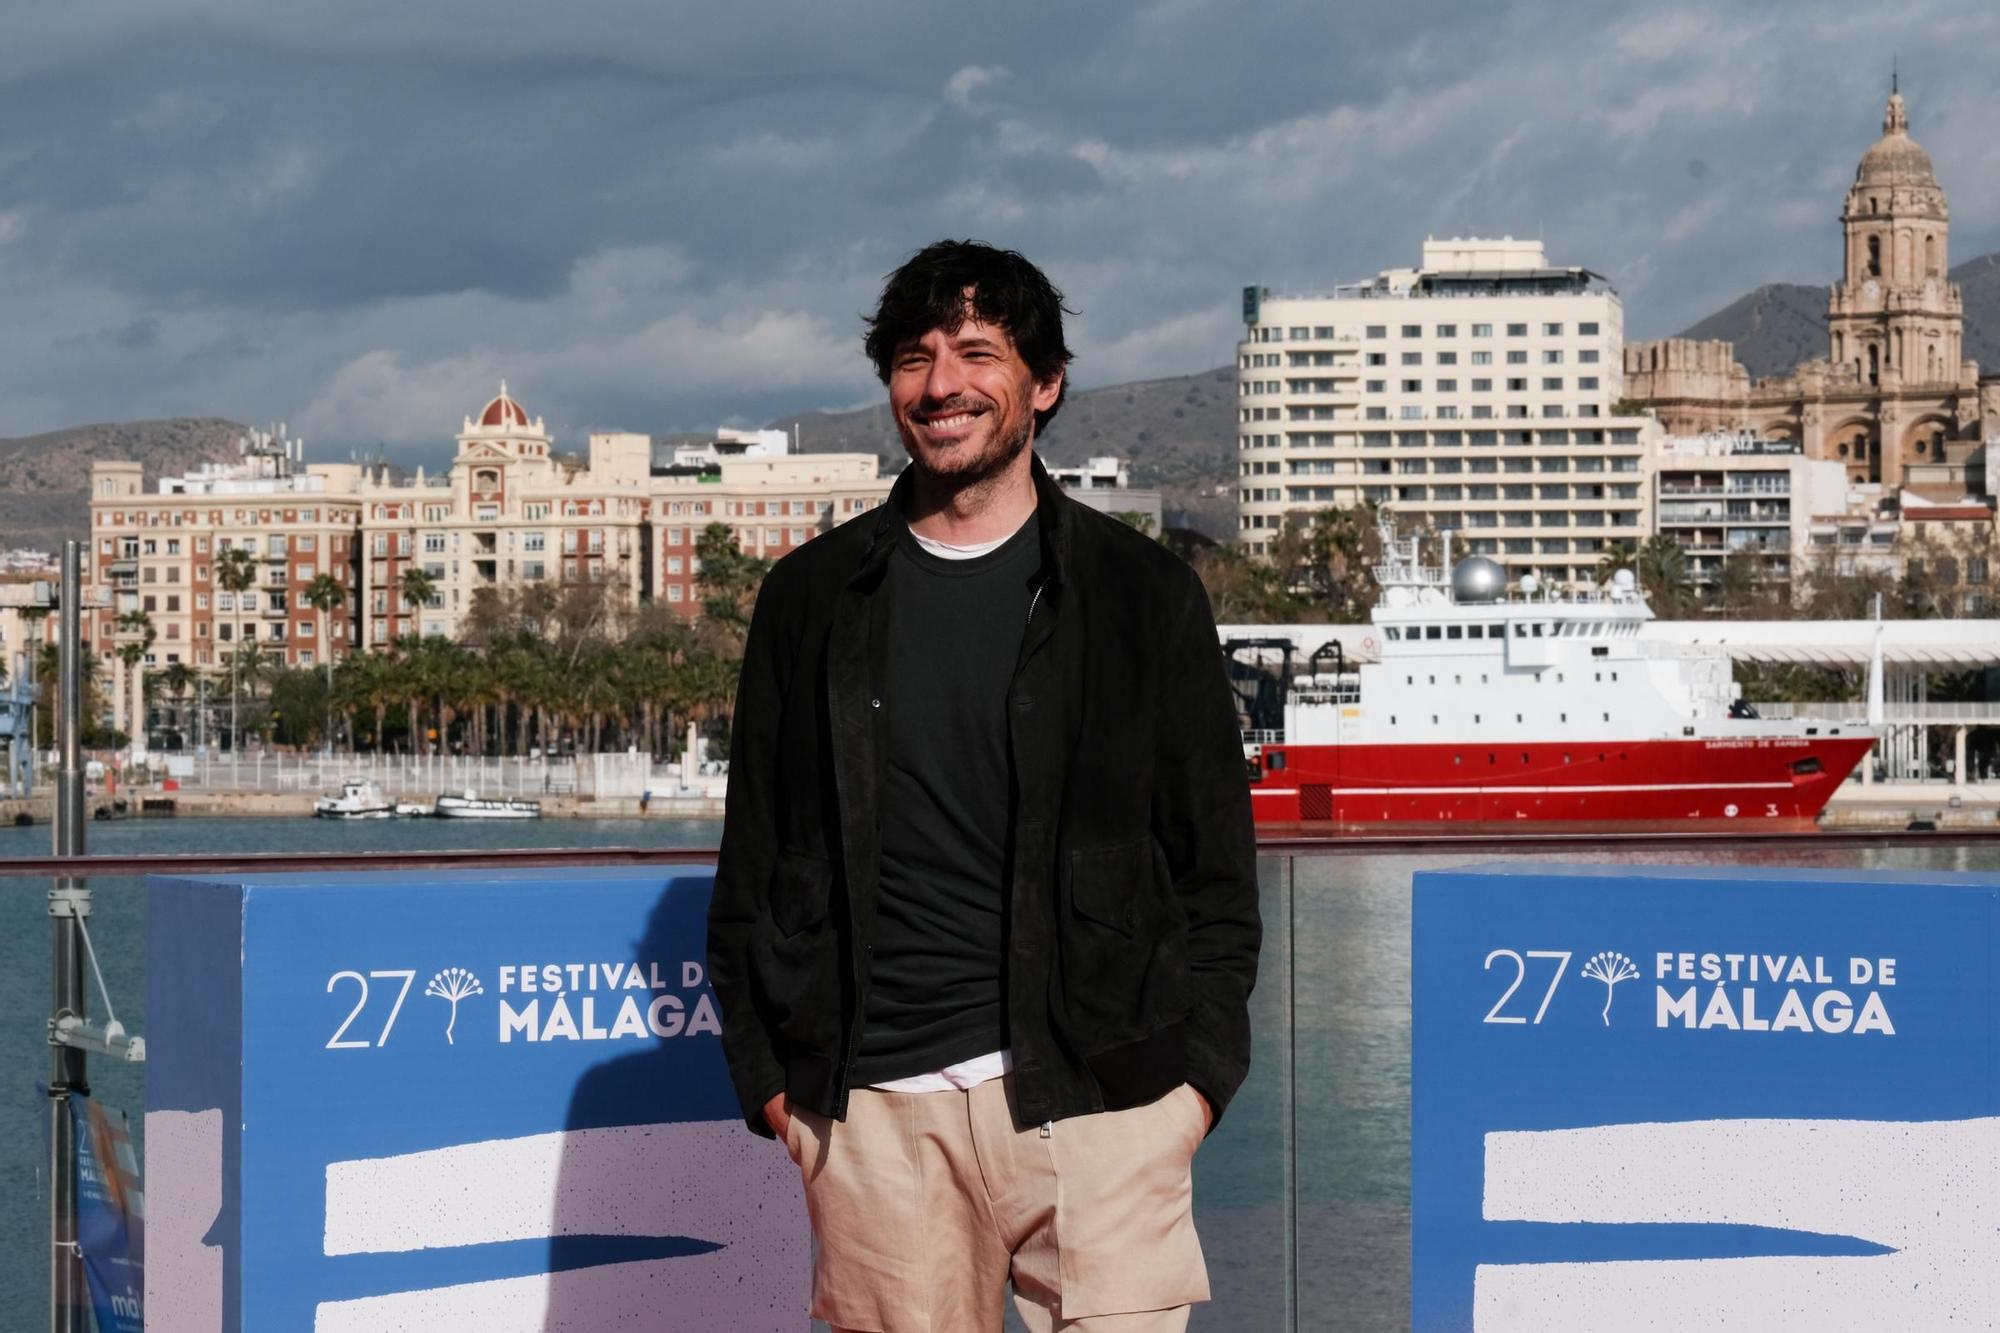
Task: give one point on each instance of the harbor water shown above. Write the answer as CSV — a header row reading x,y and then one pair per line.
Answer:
x,y
1331,1015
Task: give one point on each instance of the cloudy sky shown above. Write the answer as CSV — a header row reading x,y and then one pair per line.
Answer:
x,y
660,215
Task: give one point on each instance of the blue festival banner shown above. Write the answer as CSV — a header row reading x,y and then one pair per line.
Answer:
x,y
455,1101
110,1216
1660,1098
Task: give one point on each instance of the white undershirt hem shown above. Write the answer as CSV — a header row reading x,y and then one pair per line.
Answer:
x,y
964,1075
953,551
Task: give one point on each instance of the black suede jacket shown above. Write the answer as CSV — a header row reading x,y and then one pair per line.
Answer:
x,y
1132,927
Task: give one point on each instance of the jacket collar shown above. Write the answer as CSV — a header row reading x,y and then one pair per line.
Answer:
x,y
1052,515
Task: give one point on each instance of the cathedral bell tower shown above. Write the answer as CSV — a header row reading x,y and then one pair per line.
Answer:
x,y
1895,322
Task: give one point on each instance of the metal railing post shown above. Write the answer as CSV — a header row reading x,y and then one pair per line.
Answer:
x,y
1291,1094
69,902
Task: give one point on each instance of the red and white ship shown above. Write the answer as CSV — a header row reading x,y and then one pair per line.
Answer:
x,y
1489,710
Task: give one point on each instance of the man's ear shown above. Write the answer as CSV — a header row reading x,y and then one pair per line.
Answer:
x,y
1047,391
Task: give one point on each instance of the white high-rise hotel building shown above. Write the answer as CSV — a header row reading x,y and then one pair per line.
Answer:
x,y
1473,394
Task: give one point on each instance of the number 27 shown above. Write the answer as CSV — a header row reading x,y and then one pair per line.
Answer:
x,y
337,1041
1561,956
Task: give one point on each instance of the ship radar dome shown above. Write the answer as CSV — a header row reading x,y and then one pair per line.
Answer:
x,y
1530,585
1477,579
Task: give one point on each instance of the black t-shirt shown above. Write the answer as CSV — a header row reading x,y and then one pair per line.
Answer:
x,y
955,629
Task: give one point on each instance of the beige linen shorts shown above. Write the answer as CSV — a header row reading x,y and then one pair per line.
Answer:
x,y
924,1205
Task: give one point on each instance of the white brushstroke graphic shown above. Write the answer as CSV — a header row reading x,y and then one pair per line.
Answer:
x,y
1929,1190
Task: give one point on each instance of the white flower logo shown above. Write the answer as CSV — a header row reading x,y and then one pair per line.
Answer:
x,y
1610,968
453,984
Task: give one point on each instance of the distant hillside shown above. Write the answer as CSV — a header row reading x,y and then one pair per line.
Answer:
x,y
1781,324
45,479
1179,433
1774,328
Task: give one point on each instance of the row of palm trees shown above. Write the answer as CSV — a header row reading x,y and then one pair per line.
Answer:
x,y
527,693
543,669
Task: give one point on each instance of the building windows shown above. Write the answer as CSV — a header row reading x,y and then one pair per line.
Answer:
x,y
1378,331
1413,358
1552,383
1413,330
1587,383
1517,358
1517,330
1413,386
1378,386
1447,413
1517,386
1447,386
1587,329
1378,358
1552,357
1482,385
1447,330
1588,356
1377,414
1482,330
1413,412
675,592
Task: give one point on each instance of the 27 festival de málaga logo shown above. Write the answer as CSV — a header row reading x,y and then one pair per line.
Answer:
x,y
531,1002
1706,990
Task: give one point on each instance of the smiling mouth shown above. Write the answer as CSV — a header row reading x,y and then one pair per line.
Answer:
x,y
947,427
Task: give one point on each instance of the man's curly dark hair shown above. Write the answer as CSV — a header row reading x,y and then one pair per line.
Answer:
x,y
947,281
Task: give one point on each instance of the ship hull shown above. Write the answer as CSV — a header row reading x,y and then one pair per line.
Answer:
x,y
1768,783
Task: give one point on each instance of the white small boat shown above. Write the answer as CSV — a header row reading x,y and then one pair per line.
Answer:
x,y
472,806
359,799
413,810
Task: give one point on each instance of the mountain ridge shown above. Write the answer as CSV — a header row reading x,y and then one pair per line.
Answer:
x,y
1780,324
45,478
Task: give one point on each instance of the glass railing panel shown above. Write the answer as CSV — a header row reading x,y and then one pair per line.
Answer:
x,y
1302,1194
1352,938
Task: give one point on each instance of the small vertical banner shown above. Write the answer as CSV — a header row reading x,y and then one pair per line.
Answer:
x,y
110,1216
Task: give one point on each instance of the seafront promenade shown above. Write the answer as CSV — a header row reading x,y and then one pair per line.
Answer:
x,y
282,784
285,786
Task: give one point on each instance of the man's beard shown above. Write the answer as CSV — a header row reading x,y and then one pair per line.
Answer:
x,y
998,456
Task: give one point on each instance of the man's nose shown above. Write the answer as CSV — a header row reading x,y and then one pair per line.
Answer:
x,y
946,379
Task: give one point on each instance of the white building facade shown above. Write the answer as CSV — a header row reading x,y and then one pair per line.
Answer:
x,y
1473,393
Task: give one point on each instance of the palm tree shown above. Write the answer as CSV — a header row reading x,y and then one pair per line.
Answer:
x,y
417,588
1663,572
365,683
136,637
235,574
176,680
1621,554
323,594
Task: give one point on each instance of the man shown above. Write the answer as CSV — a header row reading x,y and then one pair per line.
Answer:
x,y
985,917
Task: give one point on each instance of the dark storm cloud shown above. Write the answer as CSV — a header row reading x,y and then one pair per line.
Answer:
x,y
658,216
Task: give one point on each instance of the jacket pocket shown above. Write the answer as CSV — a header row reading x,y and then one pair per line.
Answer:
x,y
798,963
801,887
1122,946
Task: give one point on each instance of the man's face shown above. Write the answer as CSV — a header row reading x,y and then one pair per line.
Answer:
x,y
965,402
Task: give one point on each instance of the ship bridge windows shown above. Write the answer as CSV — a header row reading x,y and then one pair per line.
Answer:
x,y
1454,632
1394,633
1433,631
